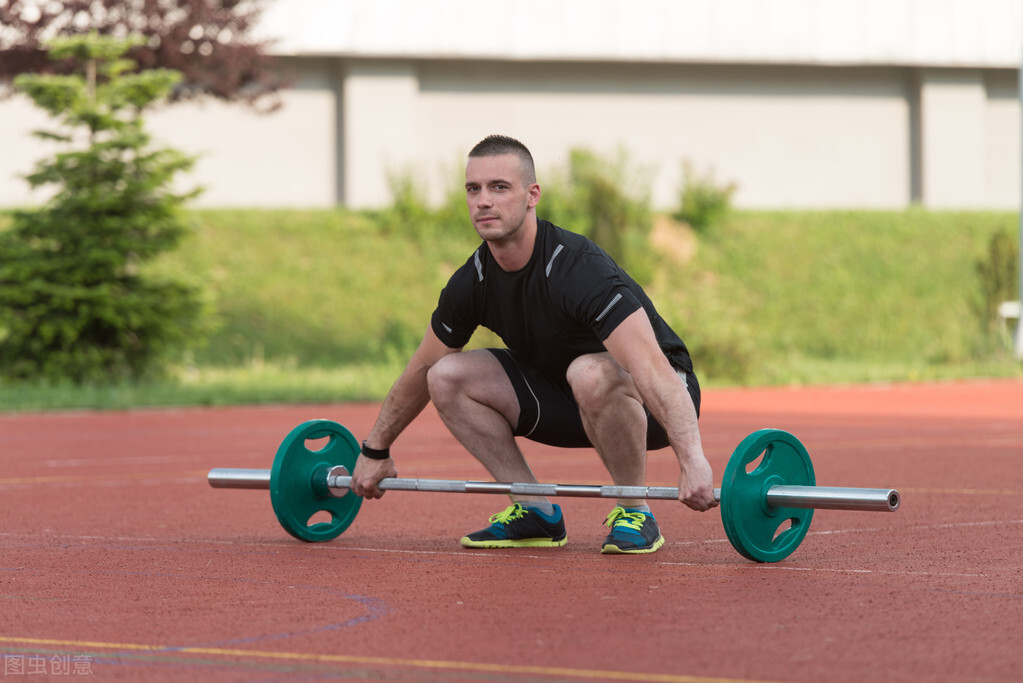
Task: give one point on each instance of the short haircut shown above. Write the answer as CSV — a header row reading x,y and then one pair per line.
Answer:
x,y
494,145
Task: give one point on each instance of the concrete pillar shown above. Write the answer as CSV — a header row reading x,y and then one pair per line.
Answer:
x,y
378,105
952,120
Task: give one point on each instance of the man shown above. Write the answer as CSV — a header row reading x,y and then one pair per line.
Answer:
x,y
589,363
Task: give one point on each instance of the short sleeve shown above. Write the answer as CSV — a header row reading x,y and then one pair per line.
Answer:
x,y
455,319
617,305
597,295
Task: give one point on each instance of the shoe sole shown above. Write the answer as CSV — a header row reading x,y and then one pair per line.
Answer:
x,y
610,549
517,543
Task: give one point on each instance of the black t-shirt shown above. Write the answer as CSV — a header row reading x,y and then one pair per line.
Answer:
x,y
563,304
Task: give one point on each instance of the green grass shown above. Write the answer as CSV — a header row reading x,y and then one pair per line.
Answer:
x,y
210,386
327,305
891,287
842,296
311,288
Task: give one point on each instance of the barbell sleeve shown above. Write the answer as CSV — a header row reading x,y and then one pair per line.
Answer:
x,y
815,497
231,478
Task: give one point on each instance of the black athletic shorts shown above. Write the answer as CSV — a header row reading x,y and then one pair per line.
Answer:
x,y
549,414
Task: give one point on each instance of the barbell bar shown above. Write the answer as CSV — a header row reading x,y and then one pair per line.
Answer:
x,y
767,497
817,497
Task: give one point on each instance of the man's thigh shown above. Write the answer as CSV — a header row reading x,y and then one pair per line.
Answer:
x,y
478,375
549,414
547,411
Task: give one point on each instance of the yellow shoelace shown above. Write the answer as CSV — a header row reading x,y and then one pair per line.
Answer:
x,y
509,514
619,517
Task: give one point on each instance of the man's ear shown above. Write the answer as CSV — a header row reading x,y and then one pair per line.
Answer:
x,y
533,195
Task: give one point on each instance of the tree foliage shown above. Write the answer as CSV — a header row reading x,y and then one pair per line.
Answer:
x,y
208,41
74,300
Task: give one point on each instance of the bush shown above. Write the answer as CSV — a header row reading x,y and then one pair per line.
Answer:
x,y
75,302
411,215
998,275
605,200
704,203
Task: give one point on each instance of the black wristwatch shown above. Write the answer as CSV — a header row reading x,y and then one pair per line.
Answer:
x,y
375,453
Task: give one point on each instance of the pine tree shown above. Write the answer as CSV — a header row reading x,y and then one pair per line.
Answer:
x,y
75,303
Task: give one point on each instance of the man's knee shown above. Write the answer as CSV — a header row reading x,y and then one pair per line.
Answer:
x,y
444,377
595,378
474,375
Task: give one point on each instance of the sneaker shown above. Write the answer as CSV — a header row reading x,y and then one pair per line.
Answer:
x,y
519,527
631,532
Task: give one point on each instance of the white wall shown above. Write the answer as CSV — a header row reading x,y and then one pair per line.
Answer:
x,y
19,151
1003,126
801,103
953,106
287,158
785,136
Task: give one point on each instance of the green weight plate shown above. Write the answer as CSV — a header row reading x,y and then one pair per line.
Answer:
x,y
298,481
759,531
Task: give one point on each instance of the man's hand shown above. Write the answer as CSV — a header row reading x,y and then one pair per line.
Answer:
x,y
368,473
696,485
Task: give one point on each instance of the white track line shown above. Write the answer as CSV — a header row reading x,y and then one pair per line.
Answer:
x,y
491,556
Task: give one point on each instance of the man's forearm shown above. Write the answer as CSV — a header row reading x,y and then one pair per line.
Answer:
x,y
668,400
405,401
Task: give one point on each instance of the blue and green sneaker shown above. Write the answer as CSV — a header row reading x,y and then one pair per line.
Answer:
x,y
519,527
632,531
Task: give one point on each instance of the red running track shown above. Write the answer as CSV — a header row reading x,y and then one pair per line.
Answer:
x,y
117,560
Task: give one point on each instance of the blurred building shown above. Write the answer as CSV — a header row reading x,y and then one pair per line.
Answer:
x,y
800,103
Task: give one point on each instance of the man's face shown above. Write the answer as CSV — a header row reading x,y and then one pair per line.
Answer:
x,y
498,196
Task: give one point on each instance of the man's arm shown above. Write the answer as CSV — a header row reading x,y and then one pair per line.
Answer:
x,y
634,346
406,399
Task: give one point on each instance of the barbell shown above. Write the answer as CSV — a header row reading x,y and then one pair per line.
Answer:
x,y
767,495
